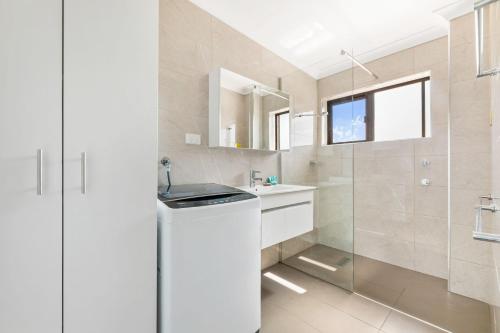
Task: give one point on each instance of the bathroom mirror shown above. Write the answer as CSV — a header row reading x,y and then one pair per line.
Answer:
x,y
487,15
246,114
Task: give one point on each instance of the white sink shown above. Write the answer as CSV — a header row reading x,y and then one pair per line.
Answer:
x,y
261,190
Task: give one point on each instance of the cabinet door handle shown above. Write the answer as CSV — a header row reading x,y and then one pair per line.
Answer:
x,y
83,161
39,172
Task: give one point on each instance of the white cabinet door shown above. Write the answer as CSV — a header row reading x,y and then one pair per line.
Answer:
x,y
30,119
110,112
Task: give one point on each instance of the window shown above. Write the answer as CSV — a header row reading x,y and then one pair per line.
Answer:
x,y
348,119
282,130
396,112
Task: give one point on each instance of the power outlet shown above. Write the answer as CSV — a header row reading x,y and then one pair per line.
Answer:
x,y
193,139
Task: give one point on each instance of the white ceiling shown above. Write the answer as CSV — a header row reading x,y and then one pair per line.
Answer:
x,y
311,33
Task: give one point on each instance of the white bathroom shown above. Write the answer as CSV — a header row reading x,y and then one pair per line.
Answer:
x,y
184,166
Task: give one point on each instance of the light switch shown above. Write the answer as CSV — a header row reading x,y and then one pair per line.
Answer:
x,y
193,139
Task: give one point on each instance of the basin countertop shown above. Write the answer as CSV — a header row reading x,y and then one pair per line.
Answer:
x,y
261,190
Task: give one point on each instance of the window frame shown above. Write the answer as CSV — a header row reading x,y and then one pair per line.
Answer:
x,y
368,116
369,96
277,128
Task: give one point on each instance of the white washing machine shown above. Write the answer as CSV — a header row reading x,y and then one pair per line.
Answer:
x,y
209,260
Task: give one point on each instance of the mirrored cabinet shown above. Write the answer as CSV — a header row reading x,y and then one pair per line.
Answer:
x,y
246,114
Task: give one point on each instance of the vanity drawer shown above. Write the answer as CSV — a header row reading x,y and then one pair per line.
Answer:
x,y
282,223
286,199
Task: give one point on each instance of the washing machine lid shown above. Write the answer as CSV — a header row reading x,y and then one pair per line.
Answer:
x,y
197,195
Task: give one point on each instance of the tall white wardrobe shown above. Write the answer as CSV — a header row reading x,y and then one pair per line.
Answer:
x,y
78,166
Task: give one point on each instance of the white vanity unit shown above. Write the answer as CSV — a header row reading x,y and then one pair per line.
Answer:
x,y
287,211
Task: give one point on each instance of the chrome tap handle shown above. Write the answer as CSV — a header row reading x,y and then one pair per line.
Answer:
x,y
253,173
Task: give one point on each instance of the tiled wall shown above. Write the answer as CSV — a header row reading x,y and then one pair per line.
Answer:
x,y
396,219
473,264
192,43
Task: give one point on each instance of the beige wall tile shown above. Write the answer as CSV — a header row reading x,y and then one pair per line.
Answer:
x,y
462,30
463,202
432,232
384,149
473,270
192,43
297,167
470,170
462,60
270,256
465,248
431,201
435,145
184,91
380,247
394,197
430,260
298,244
436,171
470,134
391,224
393,170
475,281
183,19
430,53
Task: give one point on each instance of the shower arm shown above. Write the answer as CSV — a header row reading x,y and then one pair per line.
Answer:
x,y
310,114
357,62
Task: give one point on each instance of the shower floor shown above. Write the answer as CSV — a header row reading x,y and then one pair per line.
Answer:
x,y
422,296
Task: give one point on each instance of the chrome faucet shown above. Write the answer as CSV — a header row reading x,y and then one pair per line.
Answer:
x,y
253,173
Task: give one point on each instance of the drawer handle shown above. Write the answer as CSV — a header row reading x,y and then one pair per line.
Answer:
x,y
286,206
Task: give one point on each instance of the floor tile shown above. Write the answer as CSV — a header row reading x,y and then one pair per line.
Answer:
x,y
339,260
420,295
277,320
348,302
381,293
327,318
400,323
353,304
